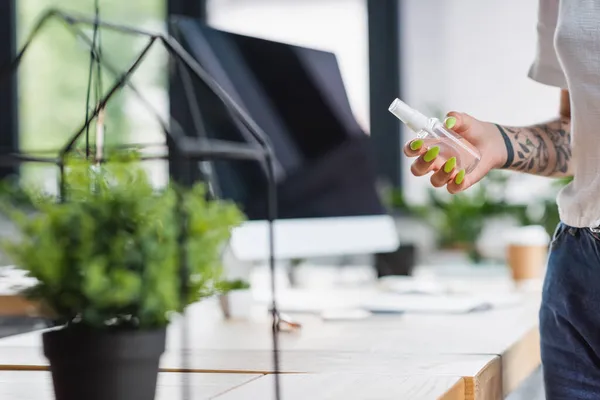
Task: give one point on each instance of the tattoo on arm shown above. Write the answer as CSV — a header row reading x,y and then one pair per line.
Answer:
x,y
510,151
540,149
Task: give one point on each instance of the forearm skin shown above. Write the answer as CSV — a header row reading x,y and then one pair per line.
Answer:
x,y
543,149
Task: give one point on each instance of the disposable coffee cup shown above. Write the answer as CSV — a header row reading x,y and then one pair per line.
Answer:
x,y
527,252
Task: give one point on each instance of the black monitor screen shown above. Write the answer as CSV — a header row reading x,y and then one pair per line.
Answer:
x,y
297,96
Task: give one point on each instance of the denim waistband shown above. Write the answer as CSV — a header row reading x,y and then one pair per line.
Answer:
x,y
595,229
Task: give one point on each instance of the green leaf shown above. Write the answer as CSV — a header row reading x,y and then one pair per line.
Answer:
x,y
111,255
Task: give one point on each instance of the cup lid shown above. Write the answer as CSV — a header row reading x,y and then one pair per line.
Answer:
x,y
533,235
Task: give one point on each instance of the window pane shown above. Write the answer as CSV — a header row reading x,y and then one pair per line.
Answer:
x,y
53,80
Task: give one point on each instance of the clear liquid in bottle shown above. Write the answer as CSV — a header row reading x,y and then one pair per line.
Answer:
x,y
434,133
451,145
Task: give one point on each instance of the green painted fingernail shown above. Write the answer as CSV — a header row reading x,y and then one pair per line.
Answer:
x,y
450,122
431,154
460,177
416,145
450,164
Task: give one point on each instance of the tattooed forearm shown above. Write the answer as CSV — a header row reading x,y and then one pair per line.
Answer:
x,y
540,149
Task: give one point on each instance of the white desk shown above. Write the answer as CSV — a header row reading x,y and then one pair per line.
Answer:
x,y
492,351
351,387
37,385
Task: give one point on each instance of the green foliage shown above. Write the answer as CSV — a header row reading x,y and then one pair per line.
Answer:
x,y
14,193
394,200
109,257
459,219
236,284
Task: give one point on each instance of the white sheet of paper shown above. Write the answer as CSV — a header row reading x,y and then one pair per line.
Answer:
x,y
442,304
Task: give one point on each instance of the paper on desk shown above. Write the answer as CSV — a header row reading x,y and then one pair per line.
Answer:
x,y
441,304
315,301
411,285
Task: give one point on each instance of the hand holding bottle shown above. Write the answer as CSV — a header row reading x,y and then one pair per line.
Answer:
x,y
484,136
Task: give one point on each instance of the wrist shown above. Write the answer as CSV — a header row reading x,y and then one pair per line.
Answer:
x,y
505,154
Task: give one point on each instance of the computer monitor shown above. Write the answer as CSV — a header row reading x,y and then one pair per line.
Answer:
x,y
326,185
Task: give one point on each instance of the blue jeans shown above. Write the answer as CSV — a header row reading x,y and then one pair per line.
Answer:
x,y
570,316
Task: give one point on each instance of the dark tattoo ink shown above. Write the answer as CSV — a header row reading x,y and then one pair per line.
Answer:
x,y
510,151
541,149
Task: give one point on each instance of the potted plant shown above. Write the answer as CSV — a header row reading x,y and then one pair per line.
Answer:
x,y
236,299
107,265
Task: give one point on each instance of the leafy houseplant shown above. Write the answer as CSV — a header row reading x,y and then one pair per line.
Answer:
x,y
459,219
236,284
107,264
235,299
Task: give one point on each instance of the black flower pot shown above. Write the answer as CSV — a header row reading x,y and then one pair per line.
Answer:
x,y
94,365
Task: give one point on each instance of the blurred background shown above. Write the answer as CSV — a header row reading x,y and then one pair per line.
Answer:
x,y
437,55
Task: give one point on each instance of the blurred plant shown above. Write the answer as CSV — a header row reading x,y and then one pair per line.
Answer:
x,y
109,257
394,200
237,284
12,192
459,219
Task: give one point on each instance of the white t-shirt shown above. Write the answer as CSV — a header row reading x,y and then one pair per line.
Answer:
x,y
568,57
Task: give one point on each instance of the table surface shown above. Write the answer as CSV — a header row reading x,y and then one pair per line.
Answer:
x,y
351,387
483,354
479,371
21,385
37,385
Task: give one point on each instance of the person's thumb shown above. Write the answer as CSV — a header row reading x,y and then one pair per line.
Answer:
x,y
459,122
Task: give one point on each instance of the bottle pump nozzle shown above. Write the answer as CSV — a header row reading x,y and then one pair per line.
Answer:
x,y
411,117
